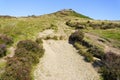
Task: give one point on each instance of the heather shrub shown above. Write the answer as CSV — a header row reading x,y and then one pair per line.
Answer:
x,y
19,67
53,26
88,57
110,26
55,37
29,45
104,25
96,52
5,39
62,37
16,70
88,22
3,50
30,50
21,52
39,41
77,25
94,25
77,45
77,36
86,44
68,22
29,57
111,68
47,37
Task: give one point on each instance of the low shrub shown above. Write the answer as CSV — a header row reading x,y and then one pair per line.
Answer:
x,y
104,25
55,37
21,52
29,45
54,27
77,45
110,26
86,44
77,25
47,37
62,37
32,58
96,52
76,39
4,39
77,36
3,50
16,70
111,68
39,41
30,50
88,57
19,66
68,22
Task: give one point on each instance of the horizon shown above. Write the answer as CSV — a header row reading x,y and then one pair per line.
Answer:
x,y
99,10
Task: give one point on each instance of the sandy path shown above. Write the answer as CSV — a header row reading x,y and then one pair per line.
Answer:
x,y
61,62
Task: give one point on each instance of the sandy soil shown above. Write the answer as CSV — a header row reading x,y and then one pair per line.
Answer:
x,y
62,62
46,33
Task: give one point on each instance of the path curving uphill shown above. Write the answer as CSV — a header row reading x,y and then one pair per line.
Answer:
x,y
62,62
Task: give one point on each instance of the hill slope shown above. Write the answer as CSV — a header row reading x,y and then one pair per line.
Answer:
x,y
61,60
70,12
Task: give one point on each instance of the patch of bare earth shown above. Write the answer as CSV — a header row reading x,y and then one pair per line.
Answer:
x,y
62,62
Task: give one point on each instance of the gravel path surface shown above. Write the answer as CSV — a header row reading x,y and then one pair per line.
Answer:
x,y
62,62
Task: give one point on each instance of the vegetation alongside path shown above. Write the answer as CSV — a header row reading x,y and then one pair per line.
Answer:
x,y
61,60
101,41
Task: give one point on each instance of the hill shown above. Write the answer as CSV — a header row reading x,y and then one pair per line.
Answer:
x,y
71,43
70,12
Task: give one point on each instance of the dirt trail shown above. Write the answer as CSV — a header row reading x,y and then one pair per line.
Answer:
x,y
62,62
107,46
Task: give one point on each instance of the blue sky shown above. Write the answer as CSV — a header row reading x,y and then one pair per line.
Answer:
x,y
97,9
